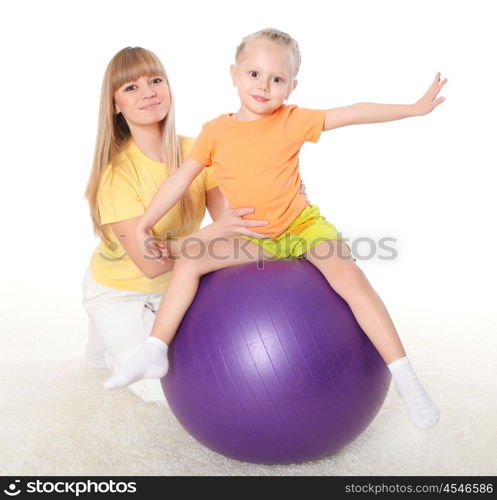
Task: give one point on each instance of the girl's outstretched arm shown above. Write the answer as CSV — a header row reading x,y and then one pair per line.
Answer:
x,y
370,112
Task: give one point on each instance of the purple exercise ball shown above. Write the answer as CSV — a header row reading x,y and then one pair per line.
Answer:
x,y
270,366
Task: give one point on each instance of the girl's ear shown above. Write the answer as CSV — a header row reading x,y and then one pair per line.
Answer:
x,y
116,109
233,74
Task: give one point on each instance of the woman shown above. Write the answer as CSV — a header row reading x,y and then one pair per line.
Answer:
x,y
137,149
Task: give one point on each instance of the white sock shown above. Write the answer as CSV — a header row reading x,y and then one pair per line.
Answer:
x,y
420,407
149,362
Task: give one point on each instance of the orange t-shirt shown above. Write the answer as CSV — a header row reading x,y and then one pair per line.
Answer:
x,y
256,162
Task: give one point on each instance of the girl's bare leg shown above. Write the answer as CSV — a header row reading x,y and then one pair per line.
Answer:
x,y
188,269
151,361
334,260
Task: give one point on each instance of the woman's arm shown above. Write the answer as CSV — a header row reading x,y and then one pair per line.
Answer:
x,y
370,112
126,231
227,222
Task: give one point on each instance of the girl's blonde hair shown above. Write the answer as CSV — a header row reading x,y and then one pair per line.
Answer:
x,y
113,133
275,36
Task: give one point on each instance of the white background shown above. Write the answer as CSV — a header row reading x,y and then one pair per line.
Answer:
x,y
426,181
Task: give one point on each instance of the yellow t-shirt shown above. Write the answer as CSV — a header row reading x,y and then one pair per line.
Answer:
x,y
125,190
256,162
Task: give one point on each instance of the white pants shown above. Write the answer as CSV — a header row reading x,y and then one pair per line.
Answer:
x,y
119,322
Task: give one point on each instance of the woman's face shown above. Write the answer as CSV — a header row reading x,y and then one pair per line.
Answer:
x,y
144,101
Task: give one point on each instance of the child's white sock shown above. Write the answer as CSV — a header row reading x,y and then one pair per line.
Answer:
x,y
149,362
420,407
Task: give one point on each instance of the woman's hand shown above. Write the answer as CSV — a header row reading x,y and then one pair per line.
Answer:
x,y
428,102
232,223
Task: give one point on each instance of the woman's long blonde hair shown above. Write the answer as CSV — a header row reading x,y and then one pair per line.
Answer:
x,y
128,65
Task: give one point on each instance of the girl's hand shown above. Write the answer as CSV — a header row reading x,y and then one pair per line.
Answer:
x,y
152,248
163,251
428,102
232,223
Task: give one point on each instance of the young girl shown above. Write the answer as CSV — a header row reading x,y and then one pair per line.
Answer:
x,y
254,154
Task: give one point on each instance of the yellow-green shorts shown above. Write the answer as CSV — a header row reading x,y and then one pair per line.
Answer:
x,y
305,232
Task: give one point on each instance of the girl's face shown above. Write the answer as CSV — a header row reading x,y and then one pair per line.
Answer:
x,y
144,101
264,77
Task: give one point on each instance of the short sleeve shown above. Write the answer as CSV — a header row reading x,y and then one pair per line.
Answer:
x,y
309,121
202,150
117,198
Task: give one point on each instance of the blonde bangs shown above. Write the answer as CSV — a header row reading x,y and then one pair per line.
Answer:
x,y
134,63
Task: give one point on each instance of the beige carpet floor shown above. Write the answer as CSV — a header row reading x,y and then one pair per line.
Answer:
x,y
57,420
